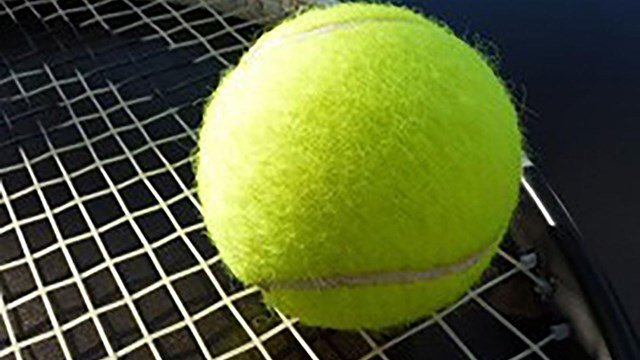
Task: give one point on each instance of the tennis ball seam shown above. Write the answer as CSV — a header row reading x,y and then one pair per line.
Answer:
x,y
376,278
325,30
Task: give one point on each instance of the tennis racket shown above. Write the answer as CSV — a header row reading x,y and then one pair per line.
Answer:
x,y
103,253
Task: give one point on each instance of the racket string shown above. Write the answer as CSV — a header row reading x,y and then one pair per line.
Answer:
x,y
124,84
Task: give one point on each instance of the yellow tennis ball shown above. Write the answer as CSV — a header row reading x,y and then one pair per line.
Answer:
x,y
360,165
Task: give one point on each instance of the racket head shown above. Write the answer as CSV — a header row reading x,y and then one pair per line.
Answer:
x,y
103,248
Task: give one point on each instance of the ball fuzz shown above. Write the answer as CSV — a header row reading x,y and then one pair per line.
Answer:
x,y
360,165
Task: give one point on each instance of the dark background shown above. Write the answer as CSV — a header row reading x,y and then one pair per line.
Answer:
x,y
575,65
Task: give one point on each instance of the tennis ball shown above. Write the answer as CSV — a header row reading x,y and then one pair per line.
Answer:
x,y
360,165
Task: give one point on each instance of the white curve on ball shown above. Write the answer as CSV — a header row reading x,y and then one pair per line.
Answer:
x,y
319,31
376,278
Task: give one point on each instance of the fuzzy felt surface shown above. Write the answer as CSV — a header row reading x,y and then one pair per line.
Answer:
x,y
359,139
